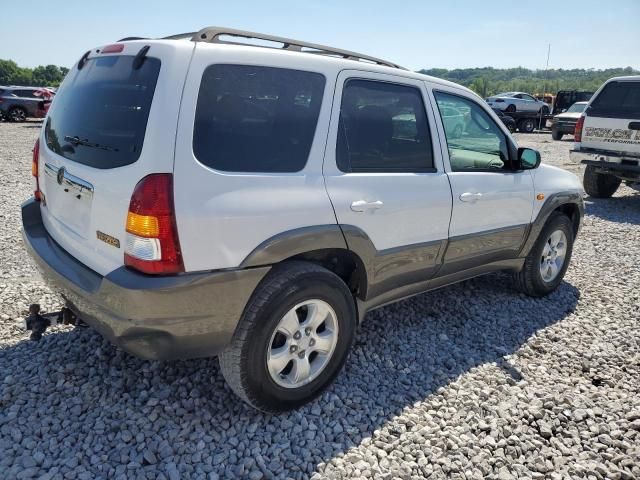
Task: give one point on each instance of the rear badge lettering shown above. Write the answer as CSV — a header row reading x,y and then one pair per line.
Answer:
x,y
108,239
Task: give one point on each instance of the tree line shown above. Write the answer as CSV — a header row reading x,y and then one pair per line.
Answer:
x,y
488,81
41,76
484,81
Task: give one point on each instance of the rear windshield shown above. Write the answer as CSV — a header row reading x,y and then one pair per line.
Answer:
x,y
100,113
617,99
256,119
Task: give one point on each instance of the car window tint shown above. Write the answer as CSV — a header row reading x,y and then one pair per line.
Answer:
x,y
617,99
256,119
383,128
474,140
99,117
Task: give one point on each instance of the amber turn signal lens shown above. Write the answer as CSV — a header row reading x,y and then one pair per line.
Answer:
x,y
540,196
142,225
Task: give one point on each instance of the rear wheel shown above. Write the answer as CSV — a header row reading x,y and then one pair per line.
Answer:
x,y
599,185
544,110
293,338
511,108
556,135
527,125
17,114
548,260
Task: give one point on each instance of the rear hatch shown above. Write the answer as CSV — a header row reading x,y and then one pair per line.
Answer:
x,y
612,119
112,122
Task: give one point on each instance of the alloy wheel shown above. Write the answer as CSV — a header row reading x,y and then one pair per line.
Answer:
x,y
302,344
553,256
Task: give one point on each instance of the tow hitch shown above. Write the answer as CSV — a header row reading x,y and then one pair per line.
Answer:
x,y
38,324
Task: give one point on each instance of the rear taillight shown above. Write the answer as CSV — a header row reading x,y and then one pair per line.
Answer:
x,y
35,170
577,133
152,244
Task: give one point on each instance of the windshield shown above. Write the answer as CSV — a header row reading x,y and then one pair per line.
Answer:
x,y
99,115
576,108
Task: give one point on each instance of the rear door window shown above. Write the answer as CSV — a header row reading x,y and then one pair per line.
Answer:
x,y
383,128
256,119
617,99
99,116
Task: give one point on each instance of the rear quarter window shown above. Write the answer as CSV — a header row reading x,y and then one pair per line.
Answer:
x,y
99,115
256,119
617,99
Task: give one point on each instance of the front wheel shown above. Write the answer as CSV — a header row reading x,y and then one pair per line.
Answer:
x,y
599,185
293,338
511,108
548,260
556,135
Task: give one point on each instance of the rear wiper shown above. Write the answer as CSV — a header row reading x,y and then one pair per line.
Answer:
x,y
75,141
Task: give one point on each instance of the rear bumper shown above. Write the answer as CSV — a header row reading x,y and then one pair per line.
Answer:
x,y
608,162
153,317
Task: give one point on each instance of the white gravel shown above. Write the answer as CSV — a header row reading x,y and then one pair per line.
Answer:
x,y
472,381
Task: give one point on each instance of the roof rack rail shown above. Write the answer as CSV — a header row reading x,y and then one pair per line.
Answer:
x,y
213,34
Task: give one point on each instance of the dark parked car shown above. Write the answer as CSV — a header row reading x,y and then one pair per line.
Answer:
x,y
566,122
19,103
508,121
566,98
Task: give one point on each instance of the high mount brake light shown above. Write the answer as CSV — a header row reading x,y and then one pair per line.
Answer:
x,y
115,48
152,244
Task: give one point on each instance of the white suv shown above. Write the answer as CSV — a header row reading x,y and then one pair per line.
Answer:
x,y
607,137
197,197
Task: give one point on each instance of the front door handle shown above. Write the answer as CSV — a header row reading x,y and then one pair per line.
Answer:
x,y
363,205
470,197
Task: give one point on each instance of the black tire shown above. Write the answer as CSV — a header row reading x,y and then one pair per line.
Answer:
x,y
529,280
244,361
527,125
599,185
511,108
17,114
556,135
544,110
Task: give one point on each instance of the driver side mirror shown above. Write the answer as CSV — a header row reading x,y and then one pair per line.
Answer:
x,y
528,158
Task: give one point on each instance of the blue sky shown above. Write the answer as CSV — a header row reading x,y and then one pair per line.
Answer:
x,y
415,34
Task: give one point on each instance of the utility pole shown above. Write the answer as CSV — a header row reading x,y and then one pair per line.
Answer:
x,y
544,84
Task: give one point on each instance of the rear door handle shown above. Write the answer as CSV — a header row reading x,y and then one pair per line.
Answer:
x,y
363,205
634,126
470,197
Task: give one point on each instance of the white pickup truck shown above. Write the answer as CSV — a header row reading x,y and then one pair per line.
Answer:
x,y
607,137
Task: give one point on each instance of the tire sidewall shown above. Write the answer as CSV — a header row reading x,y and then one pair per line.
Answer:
x,y
556,222
326,287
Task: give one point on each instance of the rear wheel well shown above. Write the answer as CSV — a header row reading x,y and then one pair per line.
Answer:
x,y
572,211
344,263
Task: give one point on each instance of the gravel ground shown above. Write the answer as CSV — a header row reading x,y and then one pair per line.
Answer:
x,y
472,381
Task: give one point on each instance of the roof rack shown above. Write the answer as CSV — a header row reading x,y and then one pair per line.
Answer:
x,y
213,34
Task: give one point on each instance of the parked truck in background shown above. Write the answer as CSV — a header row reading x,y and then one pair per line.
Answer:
x,y
607,137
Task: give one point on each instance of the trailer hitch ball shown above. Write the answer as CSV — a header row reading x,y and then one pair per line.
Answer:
x,y
36,322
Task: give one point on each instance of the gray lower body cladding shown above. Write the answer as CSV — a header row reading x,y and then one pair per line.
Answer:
x,y
196,314
153,317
